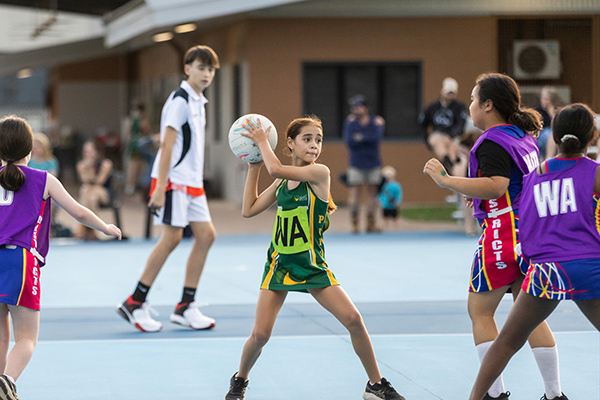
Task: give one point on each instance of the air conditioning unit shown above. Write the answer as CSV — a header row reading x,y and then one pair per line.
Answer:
x,y
536,59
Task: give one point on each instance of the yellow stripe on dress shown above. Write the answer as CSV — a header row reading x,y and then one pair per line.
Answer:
x,y
311,221
512,225
24,275
483,265
332,279
483,226
265,284
597,212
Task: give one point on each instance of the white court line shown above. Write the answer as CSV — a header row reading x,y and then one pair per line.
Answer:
x,y
383,335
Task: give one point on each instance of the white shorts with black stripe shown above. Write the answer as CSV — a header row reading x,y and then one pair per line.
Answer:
x,y
181,208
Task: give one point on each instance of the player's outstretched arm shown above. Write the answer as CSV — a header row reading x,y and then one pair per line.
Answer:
x,y
82,214
479,188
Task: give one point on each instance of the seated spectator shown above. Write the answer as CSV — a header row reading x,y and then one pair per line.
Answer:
x,y
443,122
43,159
41,155
93,171
550,103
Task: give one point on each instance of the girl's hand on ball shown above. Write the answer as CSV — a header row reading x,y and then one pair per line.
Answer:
x,y
256,133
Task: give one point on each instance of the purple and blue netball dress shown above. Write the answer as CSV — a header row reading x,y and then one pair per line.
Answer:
x,y
495,263
24,240
560,231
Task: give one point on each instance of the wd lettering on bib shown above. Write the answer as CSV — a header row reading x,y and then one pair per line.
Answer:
x,y
560,197
291,231
6,197
531,160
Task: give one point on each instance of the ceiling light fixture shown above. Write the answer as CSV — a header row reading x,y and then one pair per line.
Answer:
x,y
185,28
162,37
24,73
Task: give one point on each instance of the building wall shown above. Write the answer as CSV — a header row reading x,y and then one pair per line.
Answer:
x,y
574,34
91,95
270,54
458,47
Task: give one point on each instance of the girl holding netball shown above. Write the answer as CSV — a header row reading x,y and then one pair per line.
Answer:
x,y
25,220
505,152
296,256
560,235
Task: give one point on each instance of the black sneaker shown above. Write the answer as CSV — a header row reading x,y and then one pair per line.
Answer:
x,y
381,391
503,396
561,397
237,388
8,390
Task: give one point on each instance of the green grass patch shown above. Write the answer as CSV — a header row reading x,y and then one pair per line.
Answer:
x,y
429,212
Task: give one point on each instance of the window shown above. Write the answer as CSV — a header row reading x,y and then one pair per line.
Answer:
x,y
27,92
393,91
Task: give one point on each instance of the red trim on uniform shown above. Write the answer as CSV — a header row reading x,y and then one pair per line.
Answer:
x,y
31,291
36,229
498,242
192,191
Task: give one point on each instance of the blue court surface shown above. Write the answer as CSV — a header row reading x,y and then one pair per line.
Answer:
x,y
410,287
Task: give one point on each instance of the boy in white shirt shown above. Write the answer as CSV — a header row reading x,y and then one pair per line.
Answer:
x,y
177,195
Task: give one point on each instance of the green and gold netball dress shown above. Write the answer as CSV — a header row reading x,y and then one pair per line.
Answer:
x,y
296,257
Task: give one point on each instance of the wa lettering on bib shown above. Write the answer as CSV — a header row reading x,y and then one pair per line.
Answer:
x,y
292,231
556,196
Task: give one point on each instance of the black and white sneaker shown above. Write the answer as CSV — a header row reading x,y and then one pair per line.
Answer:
x,y
237,388
381,391
503,396
188,314
8,390
138,315
561,397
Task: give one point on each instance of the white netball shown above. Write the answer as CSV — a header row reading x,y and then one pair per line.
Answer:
x,y
244,148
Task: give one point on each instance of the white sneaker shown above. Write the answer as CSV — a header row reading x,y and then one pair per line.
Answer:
x,y
191,317
140,316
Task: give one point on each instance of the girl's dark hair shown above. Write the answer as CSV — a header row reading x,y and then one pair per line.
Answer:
x,y
16,142
294,129
573,127
204,54
504,93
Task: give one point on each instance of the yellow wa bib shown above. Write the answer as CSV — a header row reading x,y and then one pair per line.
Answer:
x,y
292,231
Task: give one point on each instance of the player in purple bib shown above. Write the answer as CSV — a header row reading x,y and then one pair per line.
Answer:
x,y
560,238
504,153
25,196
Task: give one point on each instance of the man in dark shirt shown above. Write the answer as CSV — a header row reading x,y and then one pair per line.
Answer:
x,y
362,133
446,117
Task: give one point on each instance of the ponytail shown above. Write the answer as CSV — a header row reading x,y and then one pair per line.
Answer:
x,y
570,144
16,142
11,177
504,93
528,120
331,206
573,128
